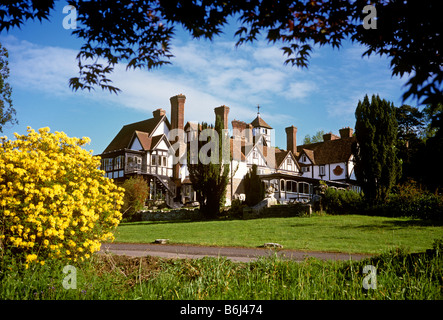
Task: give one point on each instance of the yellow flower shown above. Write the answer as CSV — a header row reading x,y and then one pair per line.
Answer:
x,y
54,195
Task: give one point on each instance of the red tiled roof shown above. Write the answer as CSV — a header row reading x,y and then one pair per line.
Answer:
x,y
259,122
325,152
124,136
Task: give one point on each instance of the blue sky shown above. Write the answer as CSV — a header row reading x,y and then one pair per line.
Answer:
x,y
210,74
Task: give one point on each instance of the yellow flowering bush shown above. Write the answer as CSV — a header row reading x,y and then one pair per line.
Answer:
x,y
54,200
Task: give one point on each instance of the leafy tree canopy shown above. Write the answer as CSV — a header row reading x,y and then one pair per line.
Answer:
x,y
317,137
7,111
139,32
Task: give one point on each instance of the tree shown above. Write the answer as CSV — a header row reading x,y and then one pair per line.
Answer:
x,y
433,154
209,180
7,112
254,189
410,144
377,166
318,137
139,32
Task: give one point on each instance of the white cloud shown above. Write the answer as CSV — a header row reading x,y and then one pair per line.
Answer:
x,y
211,74
300,90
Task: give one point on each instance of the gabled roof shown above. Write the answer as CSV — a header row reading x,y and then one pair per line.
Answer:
x,y
308,153
332,151
262,149
125,136
193,126
259,122
156,140
143,138
282,155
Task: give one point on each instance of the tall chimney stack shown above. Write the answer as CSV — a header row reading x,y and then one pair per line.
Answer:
x,y
178,122
291,139
222,112
178,111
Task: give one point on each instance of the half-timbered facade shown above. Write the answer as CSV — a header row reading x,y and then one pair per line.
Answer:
x,y
144,149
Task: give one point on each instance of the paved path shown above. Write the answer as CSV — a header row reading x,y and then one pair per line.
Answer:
x,y
232,253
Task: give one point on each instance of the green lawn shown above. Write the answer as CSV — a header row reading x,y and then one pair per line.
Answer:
x,y
348,233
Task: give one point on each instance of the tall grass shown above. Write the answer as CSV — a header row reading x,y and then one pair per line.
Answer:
x,y
400,275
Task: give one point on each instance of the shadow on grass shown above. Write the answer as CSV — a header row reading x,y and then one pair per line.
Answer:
x,y
394,224
145,223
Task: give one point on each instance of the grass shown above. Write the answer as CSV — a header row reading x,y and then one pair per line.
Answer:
x,y
399,276
344,233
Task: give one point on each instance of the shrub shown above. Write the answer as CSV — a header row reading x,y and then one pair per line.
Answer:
x,y
410,200
54,201
136,192
236,209
337,201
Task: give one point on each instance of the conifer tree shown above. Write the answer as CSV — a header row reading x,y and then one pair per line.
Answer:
x,y
254,190
210,180
377,166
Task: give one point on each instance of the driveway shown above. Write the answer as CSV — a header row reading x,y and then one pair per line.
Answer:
x,y
233,253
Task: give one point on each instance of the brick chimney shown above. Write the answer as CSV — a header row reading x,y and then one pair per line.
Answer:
x,y
330,136
178,111
238,129
177,122
248,135
291,139
222,112
158,113
346,132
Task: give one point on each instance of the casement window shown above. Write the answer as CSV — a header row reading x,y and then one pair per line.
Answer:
x,y
289,163
303,187
154,160
134,162
255,154
322,170
305,169
107,164
291,186
119,162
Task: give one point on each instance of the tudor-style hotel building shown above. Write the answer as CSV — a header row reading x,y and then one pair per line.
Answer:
x,y
143,148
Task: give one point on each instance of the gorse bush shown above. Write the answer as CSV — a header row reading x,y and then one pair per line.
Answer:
x,y
54,201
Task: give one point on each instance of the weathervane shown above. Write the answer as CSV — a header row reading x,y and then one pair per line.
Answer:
x,y
258,109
